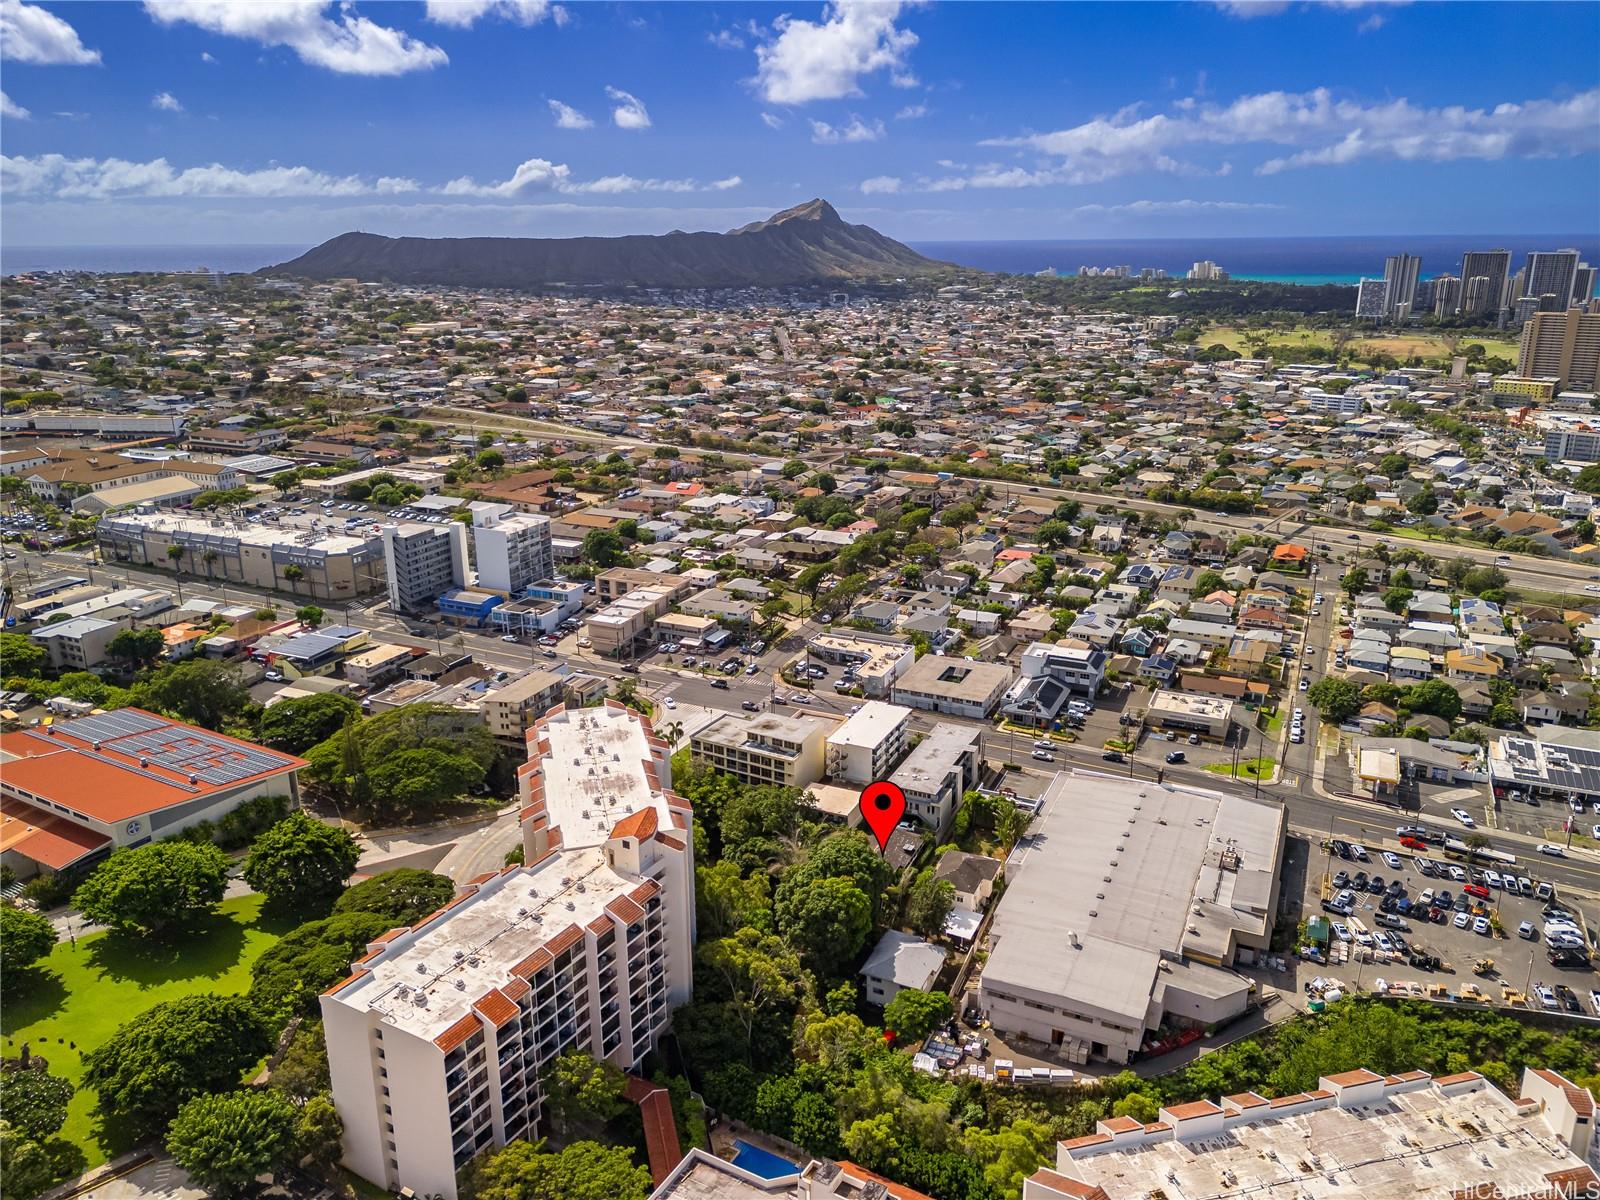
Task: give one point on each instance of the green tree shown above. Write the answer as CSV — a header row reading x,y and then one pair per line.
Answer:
x,y
25,938
490,460
1336,699
289,977
300,864
367,763
302,1070
1436,697
225,1141
913,1014
581,1171
309,614
755,975
172,1053
1354,581
151,888
200,691
319,1133
403,896
26,1164
137,647
603,548
929,903
827,920
579,1088
20,655
414,782
1010,1154
297,725
35,1101
1137,1105
726,901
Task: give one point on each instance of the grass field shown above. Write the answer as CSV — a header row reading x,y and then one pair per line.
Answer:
x,y
85,992
1249,768
1400,345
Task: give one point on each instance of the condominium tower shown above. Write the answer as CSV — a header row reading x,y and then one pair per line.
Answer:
x,y
423,561
437,1040
1564,346
1548,278
1400,277
513,549
1483,281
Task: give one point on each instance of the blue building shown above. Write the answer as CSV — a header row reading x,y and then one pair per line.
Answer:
x,y
467,607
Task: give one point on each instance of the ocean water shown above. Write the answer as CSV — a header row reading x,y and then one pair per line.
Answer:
x,y
243,257
1304,260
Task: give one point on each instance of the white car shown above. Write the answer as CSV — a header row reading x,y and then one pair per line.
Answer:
x,y
1044,744
1492,879
1464,817
1480,926
1363,938
1393,860
1341,931
1456,873
510,637
1426,899
1552,850
1547,998
1462,920
671,703
1043,756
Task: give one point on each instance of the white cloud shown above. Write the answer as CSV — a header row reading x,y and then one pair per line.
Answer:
x,y
54,175
205,57
1321,129
463,14
771,120
825,61
857,130
880,185
1248,9
30,34
540,175
10,108
911,112
1154,208
725,39
1373,23
568,117
166,102
630,111
347,43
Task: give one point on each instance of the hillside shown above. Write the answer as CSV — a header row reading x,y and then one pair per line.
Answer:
x,y
806,244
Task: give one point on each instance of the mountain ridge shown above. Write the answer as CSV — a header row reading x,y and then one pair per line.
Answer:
x,y
806,244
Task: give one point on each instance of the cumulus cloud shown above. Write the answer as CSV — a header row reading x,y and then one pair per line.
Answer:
x,y
771,120
166,102
62,178
810,60
1247,9
630,111
539,175
1320,129
881,185
857,130
911,112
568,117
463,14
10,108
344,42
30,34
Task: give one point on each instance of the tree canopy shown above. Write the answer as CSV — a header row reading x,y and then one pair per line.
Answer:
x,y
404,762
402,896
297,725
300,864
150,888
25,938
290,976
581,1171
173,1052
225,1141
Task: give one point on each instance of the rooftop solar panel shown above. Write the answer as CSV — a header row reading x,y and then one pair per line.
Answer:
x,y
179,748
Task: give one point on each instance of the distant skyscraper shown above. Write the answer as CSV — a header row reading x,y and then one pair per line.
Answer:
x,y
1400,276
1583,281
1207,272
1491,266
1446,295
1564,345
1551,273
1372,299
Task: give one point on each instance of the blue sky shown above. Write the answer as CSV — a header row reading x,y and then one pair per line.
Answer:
x,y
217,121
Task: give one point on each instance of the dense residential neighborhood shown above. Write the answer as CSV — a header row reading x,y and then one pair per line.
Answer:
x,y
478,690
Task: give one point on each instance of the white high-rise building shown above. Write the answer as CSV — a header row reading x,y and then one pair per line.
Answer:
x,y
423,562
514,549
1207,272
1550,273
1400,279
436,1041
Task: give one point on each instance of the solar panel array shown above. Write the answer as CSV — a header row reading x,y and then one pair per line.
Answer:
x,y
187,751
1575,768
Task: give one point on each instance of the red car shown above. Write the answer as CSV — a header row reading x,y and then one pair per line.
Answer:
x,y
1475,889
1411,843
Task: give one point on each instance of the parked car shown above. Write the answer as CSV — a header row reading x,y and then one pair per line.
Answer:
x,y
1464,817
1547,997
1527,931
1177,756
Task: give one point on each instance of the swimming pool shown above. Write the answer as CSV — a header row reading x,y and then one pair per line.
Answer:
x,y
761,1162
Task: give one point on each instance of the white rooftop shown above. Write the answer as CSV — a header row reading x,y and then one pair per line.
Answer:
x,y
595,772
869,726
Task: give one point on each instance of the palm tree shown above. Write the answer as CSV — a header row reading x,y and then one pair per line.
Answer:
x,y
209,558
175,553
671,732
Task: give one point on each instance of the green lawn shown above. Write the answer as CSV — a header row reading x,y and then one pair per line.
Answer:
x,y
1249,768
85,992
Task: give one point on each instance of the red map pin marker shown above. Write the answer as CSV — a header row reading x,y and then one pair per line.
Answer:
x,y
882,806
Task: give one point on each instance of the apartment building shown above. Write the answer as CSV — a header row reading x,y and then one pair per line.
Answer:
x,y
513,549
437,1039
764,749
619,581
868,745
623,625
78,643
508,711
1579,444
422,563
1382,1137
938,772
956,686
1564,346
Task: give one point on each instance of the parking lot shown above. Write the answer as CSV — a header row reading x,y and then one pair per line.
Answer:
x,y
1544,819
1404,914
